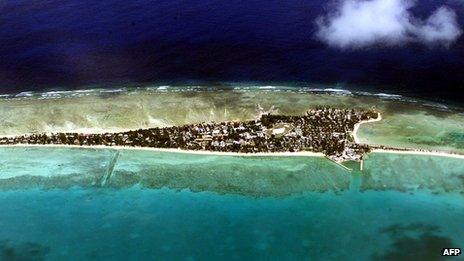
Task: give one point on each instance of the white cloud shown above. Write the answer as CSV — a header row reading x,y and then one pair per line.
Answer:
x,y
360,23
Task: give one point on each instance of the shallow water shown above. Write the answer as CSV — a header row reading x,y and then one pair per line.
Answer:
x,y
410,173
70,203
406,122
26,167
257,176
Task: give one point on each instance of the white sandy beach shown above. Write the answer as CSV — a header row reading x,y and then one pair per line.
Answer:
x,y
200,152
420,152
357,125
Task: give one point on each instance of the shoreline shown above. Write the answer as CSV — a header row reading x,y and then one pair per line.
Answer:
x,y
410,151
197,152
357,125
238,154
419,152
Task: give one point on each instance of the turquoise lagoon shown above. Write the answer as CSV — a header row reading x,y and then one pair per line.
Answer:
x,y
105,204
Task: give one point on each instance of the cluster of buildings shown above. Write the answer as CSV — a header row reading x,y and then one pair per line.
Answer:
x,y
325,130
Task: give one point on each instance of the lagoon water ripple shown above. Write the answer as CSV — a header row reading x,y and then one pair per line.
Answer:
x,y
181,206
257,176
134,224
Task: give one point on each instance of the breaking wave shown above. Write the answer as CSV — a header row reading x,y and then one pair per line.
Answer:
x,y
316,89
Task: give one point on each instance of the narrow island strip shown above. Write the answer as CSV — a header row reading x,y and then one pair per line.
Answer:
x,y
319,132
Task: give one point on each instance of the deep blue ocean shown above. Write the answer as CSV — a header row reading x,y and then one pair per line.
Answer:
x,y
71,44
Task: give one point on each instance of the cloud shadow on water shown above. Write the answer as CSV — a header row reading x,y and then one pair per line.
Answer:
x,y
22,251
415,241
